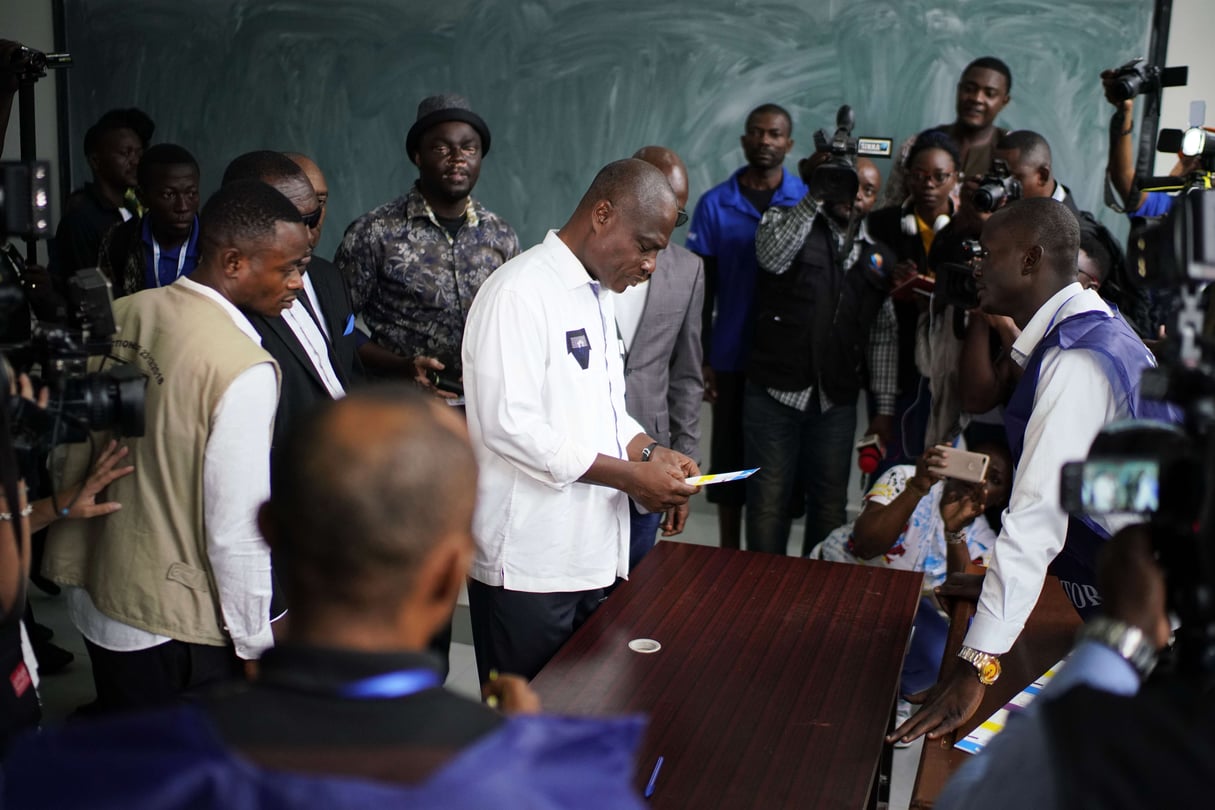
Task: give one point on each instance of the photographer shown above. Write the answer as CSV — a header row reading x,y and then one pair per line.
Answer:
x,y
19,706
915,519
1081,363
1120,170
1094,713
824,330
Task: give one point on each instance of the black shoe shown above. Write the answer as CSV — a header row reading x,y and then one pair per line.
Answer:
x,y
39,633
45,585
52,658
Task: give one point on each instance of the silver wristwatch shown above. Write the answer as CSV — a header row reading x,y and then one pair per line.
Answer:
x,y
1125,639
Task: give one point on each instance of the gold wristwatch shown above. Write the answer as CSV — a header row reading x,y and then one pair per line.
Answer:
x,y
987,666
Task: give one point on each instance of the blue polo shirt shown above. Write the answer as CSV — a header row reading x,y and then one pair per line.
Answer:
x,y
723,227
173,263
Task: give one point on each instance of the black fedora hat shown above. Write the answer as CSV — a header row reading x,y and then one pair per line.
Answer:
x,y
441,109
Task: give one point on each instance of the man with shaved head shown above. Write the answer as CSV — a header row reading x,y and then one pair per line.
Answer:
x,y
317,178
659,322
370,518
1081,367
559,454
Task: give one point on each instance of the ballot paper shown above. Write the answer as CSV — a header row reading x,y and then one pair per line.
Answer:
x,y
976,740
720,478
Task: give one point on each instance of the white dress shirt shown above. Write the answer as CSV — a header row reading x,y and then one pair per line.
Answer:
x,y
1073,401
236,481
538,419
630,306
313,335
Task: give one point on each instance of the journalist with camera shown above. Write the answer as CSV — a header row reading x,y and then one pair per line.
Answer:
x,y
1081,367
824,330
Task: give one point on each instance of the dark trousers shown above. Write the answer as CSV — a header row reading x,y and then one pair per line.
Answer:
x,y
726,441
643,533
159,675
517,632
809,449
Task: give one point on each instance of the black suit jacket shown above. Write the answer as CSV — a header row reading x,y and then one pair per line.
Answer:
x,y
302,386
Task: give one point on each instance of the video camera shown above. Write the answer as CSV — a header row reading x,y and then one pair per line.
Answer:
x,y
834,180
57,354
956,283
1136,77
997,188
1164,471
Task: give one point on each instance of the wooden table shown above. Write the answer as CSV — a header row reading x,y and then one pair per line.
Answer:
x,y
774,685
1048,636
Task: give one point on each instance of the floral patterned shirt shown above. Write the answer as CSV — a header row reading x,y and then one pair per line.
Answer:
x,y
412,281
921,544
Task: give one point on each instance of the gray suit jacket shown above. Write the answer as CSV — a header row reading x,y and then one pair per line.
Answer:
x,y
663,382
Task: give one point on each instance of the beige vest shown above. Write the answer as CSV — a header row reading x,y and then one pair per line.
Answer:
x,y
146,565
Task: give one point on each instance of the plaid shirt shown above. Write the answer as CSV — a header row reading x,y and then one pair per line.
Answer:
x,y
412,282
781,234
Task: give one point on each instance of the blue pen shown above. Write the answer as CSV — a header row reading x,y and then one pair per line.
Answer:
x,y
649,786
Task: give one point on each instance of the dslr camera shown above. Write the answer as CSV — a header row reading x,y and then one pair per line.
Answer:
x,y
1136,77
834,180
956,283
997,188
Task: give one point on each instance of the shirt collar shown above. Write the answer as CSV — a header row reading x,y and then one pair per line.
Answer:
x,y
1073,298
191,243
330,668
573,273
1060,193
238,318
416,207
789,192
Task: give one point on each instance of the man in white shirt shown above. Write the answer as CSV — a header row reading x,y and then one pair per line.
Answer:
x,y
1082,365
305,340
559,455
172,592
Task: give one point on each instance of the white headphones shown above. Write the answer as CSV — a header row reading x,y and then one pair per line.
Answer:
x,y
908,221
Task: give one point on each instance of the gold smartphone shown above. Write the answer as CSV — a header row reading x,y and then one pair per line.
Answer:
x,y
964,465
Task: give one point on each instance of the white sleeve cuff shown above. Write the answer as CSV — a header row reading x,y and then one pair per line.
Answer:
x,y
990,635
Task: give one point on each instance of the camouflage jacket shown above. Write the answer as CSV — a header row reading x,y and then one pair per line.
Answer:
x,y
411,281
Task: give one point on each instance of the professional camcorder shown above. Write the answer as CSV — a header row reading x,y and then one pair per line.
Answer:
x,y
834,180
56,354
1165,472
997,188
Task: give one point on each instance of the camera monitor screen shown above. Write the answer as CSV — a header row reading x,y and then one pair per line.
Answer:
x,y
1112,486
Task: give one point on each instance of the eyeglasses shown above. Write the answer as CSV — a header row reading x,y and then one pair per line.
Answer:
x,y
1093,281
314,219
940,178
681,218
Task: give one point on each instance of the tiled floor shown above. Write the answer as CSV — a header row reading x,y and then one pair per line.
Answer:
x,y
62,693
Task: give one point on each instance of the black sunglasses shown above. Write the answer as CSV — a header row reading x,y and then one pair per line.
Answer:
x,y
313,219
681,218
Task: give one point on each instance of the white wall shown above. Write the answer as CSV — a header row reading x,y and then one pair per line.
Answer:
x,y
1189,44
30,22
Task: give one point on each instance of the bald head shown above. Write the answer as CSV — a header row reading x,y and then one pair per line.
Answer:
x,y
621,223
1047,224
362,493
317,178
1029,160
670,164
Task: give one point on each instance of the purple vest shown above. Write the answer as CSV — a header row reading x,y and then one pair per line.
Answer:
x,y
1123,357
174,759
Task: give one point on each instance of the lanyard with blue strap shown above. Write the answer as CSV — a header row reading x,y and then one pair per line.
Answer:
x,y
398,684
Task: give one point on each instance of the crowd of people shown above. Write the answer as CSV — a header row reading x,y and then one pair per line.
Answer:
x,y
294,528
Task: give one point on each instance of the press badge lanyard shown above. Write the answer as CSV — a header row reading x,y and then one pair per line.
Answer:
x,y
397,684
181,259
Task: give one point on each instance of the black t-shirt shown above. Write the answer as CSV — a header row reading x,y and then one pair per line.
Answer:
x,y
761,198
451,224
294,717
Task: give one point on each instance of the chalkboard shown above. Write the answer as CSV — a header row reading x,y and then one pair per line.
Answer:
x,y
568,85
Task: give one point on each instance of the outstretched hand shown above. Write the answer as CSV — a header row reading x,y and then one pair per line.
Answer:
x,y
947,705
105,471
